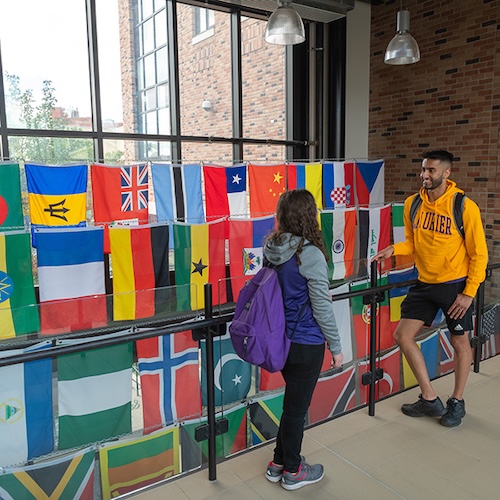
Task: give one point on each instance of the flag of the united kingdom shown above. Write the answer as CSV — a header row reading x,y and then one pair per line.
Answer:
x,y
134,187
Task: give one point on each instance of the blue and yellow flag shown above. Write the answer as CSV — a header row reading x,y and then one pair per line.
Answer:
x,y
57,195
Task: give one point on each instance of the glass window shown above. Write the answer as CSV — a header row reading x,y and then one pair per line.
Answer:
x,y
163,96
45,64
263,82
162,65
161,28
115,66
164,121
149,36
130,151
151,98
203,20
204,74
264,152
211,152
51,150
149,70
147,8
151,126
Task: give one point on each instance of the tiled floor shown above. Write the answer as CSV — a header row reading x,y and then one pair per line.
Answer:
x,y
388,456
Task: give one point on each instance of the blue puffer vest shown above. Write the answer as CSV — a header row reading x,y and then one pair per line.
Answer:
x,y
301,325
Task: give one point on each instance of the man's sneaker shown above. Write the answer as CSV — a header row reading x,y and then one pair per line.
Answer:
x,y
307,474
274,472
423,407
455,411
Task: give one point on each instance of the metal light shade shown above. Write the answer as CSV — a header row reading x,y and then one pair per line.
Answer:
x,y
403,48
285,26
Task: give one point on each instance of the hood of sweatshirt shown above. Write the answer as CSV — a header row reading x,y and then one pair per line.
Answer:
x,y
278,254
438,206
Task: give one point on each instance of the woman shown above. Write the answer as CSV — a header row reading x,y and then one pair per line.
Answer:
x,y
296,250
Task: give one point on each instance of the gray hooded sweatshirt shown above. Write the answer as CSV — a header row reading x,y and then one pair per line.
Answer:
x,y
313,268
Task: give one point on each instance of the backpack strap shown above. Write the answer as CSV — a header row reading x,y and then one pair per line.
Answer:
x,y
415,205
458,209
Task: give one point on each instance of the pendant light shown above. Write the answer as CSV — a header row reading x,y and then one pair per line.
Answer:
x,y
285,26
403,48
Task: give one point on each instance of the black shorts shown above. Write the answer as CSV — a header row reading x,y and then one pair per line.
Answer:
x,y
424,301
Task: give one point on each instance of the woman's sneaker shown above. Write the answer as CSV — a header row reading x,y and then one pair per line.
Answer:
x,y
274,472
307,474
455,411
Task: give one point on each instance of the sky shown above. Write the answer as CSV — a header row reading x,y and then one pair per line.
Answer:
x,y
47,40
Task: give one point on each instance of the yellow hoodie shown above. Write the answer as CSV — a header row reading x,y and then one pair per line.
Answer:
x,y
441,254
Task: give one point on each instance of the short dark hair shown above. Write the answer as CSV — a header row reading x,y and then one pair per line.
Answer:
x,y
439,154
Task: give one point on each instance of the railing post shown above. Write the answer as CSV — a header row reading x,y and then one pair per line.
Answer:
x,y
373,339
477,341
212,457
370,377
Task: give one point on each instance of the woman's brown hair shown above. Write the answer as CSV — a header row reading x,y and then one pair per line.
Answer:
x,y
297,214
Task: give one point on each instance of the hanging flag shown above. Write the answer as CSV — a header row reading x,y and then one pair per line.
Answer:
x,y
26,426
374,235
430,350
194,452
246,241
390,382
342,312
361,315
446,352
95,392
199,256
306,176
170,384
71,279
131,464
232,375
270,381
266,184
370,182
11,208
139,257
177,190
225,191
67,477
119,196
397,295
57,195
338,228
18,307
265,414
333,395
338,184
398,234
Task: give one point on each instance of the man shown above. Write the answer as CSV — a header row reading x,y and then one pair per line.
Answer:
x,y
450,270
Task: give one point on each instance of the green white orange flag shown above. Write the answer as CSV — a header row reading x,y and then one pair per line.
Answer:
x,y
11,210
199,254
95,392
130,464
18,309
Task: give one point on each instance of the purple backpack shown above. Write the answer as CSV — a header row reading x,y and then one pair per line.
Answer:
x,y
258,330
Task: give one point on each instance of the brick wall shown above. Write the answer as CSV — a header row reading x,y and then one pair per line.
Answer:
x,y
448,100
